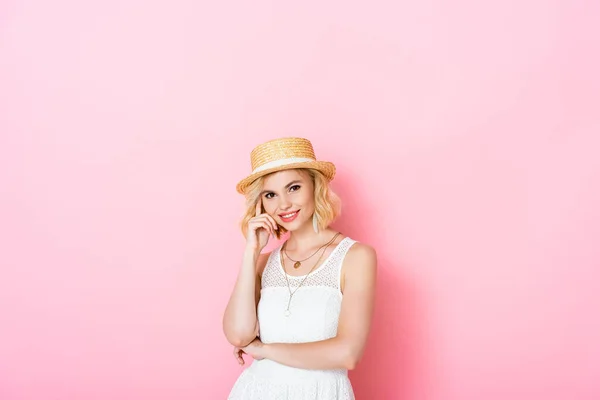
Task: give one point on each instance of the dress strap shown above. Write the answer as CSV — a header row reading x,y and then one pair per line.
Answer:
x,y
340,255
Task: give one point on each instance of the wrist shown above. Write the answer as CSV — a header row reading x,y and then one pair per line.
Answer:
x,y
264,350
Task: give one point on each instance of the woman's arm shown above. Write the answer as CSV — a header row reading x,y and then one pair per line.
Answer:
x,y
346,348
240,323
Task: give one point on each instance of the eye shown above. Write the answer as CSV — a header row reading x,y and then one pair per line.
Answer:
x,y
268,195
295,186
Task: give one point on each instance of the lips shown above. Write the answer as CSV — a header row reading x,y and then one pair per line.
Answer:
x,y
289,217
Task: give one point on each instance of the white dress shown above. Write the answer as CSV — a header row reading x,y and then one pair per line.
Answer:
x,y
314,314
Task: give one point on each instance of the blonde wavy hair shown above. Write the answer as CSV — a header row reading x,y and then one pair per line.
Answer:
x,y
327,203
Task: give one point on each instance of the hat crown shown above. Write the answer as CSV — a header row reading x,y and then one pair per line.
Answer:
x,y
281,149
282,154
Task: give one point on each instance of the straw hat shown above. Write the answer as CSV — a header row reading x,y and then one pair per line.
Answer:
x,y
281,154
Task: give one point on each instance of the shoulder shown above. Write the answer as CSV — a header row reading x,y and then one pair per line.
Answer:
x,y
361,252
359,269
361,257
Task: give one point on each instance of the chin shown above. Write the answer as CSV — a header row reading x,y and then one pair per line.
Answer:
x,y
294,225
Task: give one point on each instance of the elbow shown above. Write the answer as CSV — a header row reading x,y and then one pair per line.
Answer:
x,y
351,358
349,353
350,362
238,339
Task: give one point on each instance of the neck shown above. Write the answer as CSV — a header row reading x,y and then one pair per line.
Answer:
x,y
305,237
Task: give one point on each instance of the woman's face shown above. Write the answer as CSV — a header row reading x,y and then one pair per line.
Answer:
x,y
288,196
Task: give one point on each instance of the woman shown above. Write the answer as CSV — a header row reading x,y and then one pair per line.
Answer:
x,y
302,311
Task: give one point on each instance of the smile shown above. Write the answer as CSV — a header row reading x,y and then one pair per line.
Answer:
x,y
289,217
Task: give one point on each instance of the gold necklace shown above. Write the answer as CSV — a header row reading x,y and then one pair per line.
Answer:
x,y
287,311
298,263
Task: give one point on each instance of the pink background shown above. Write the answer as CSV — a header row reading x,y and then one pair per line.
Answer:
x,y
466,135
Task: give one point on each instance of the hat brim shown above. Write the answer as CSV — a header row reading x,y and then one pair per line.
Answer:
x,y
325,167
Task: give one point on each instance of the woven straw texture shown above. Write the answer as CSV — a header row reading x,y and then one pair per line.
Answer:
x,y
284,149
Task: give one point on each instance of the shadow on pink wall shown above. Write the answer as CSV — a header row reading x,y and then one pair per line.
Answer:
x,y
391,367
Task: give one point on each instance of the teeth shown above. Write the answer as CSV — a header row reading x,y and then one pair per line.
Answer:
x,y
289,215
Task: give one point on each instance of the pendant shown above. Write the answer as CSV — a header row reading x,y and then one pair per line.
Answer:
x,y
297,264
287,313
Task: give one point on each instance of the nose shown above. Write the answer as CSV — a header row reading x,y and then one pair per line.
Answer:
x,y
284,203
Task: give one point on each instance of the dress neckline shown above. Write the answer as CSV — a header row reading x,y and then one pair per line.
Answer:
x,y
313,271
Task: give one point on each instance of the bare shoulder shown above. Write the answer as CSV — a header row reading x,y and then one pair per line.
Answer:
x,y
360,259
361,253
359,269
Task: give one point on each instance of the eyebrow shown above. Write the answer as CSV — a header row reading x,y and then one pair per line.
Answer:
x,y
286,186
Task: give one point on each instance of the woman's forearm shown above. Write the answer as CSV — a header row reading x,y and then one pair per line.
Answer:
x,y
239,321
334,353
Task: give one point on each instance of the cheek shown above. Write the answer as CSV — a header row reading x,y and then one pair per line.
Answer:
x,y
271,206
269,209
306,200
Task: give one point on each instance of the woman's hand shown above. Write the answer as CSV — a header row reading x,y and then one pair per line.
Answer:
x,y
259,229
254,349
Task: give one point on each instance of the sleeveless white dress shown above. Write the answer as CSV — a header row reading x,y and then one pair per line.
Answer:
x,y
314,314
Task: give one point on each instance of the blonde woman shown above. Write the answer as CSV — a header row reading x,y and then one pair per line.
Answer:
x,y
303,311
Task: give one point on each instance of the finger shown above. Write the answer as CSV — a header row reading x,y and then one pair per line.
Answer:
x,y
270,220
263,223
259,206
275,226
237,353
